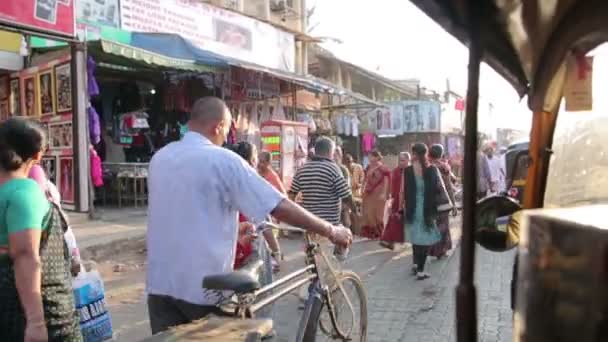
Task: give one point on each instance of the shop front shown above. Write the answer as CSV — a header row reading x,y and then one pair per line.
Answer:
x,y
43,90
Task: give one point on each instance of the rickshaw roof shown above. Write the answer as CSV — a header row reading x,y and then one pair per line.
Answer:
x,y
522,37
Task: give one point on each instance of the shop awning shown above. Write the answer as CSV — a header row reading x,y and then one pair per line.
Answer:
x,y
309,82
175,46
129,55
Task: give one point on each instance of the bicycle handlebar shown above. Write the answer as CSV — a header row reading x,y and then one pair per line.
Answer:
x,y
264,226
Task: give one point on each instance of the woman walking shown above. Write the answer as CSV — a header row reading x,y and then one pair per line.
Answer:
x,y
376,191
440,249
393,233
36,296
422,188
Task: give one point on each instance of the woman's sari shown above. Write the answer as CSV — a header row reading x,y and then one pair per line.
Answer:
x,y
394,227
374,201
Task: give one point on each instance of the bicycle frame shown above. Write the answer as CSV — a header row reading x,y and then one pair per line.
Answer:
x,y
248,304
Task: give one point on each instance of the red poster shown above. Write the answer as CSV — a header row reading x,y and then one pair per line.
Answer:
x,y
52,16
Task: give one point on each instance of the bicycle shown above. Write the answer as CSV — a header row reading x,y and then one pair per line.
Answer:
x,y
324,292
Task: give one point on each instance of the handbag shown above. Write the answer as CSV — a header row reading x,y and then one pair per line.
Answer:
x,y
444,203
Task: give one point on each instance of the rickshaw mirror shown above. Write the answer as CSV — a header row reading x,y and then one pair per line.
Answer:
x,y
496,228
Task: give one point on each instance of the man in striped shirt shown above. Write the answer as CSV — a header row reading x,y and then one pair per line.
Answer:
x,y
322,184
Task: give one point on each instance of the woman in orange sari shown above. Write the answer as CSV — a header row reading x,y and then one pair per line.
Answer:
x,y
376,191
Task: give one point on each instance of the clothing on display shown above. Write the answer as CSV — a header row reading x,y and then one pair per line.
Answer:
x,y
348,128
265,114
339,121
355,125
308,119
128,125
279,111
94,125
92,86
368,142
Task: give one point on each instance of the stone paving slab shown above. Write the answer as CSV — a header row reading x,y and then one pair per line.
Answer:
x,y
404,309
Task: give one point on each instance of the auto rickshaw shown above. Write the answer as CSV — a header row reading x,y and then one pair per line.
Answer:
x,y
563,255
517,169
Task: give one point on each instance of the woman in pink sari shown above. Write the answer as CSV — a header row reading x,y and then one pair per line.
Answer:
x,y
376,191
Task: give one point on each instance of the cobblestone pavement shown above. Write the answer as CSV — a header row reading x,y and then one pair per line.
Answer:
x,y
400,307
404,309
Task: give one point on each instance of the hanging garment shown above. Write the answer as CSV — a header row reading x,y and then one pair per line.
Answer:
x,y
96,169
94,126
253,130
92,86
348,127
279,111
368,142
265,115
339,123
354,121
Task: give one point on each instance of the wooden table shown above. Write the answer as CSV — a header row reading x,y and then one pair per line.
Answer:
x,y
216,329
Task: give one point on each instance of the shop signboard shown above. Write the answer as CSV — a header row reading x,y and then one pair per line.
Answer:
x,y
213,29
49,16
98,13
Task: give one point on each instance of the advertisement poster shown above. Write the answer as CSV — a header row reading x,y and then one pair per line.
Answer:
x,y
60,135
63,85
389,121
210,28
15,97
421,116
66,175
46,92
98,12
52,16
49,164
31,96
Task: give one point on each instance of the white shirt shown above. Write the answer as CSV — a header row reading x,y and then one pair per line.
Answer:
x,y
195,192
494,164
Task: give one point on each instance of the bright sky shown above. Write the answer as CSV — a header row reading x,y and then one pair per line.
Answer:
x,y
396,39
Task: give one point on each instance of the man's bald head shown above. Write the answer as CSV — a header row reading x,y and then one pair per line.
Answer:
x,y
208,110
210,117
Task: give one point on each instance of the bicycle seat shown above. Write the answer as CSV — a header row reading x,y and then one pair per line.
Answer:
x,y
241,281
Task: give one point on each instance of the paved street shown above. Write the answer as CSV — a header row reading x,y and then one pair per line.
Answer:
x,y
400,307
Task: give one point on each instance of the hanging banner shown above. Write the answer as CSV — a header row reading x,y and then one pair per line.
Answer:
x,y
213,29
98,13
389,121
421,116
49,16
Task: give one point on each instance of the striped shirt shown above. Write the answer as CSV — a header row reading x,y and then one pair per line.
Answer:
x,y
323,188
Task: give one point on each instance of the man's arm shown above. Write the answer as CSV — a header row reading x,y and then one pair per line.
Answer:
x,y
291,213
256,198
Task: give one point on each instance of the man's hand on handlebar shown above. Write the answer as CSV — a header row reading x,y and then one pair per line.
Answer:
x,y
341,236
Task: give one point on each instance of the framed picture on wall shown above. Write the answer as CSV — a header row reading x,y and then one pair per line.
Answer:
x,y
66,179
46,91
15,97
4,110
60,135
30,96
3,87
49,164
63,85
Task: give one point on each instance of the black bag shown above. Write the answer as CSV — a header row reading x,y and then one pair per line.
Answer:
x,y
444,203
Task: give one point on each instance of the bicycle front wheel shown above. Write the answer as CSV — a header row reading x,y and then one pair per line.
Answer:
x,y
344,315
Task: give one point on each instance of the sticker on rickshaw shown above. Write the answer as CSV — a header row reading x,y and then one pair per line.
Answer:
x,y
578,87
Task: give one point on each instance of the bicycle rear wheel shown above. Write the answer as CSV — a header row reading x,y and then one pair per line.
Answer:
x,y
347,322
